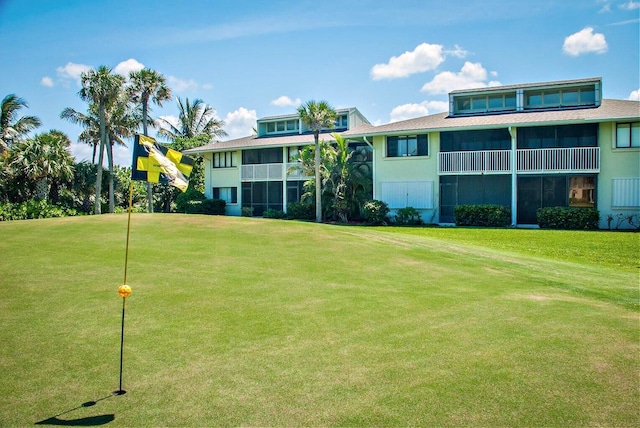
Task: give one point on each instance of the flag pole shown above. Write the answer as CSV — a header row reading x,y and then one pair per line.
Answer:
x,y
124,290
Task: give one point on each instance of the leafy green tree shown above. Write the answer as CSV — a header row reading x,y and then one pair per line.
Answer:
x,y
148,85
166,194
44,158
103,88
317,116
194,119
12,127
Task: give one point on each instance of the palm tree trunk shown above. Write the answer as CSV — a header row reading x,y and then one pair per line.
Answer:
x,y
144,131
112,204
103,134
97,206
318,182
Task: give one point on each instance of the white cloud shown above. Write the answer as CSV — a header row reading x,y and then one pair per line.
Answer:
x,y
458,52
181,85
72,71
240,123
207,86
285,101
585,41
126,67
471,75
46,81
634,95
630,5
424,57
410,111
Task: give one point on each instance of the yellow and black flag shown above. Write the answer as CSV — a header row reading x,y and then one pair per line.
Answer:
x,y
158,164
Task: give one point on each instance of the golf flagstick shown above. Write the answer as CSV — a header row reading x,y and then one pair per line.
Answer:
x,y
124,290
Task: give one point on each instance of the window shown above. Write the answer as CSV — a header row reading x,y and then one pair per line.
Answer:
x,y
485,103
223,160
341,121
228,194
566,97
262,156
407,145
628,135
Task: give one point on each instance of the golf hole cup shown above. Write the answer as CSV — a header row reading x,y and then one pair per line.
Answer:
x,y
124,291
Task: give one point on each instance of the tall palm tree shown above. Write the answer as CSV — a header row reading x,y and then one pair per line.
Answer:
x,y
44,158
194,119
317,116
121,120
11,126
145,85
101,87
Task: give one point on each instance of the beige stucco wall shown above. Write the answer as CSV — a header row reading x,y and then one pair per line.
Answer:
x,y
419,168
614,163
224,177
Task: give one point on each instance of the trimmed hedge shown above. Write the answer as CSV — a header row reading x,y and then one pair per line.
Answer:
x,y
482,215
301,211
206,206
574,218
271,213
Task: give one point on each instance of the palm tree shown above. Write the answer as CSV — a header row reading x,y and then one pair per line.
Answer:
x,y
102,88
11,126
145,85
45,158
317,116
120,120
194,119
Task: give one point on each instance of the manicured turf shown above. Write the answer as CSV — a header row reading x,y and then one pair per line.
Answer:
x,y
237,321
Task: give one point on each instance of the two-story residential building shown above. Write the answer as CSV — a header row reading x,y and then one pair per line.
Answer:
x,y
525,146
251,172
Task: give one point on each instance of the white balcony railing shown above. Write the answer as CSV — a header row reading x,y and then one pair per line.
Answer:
x,y
479,162
575,159
262,172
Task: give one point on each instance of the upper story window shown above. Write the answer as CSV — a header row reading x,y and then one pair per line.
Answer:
x,y
555,98
223,160
342,121
262,156
485,103
628,135
281,126
407,145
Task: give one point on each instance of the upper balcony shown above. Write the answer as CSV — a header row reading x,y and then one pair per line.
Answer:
x,y
528,161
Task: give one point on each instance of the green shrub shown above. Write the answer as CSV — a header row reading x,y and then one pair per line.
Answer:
x,y
213,206
375,211
184,200
482,215
33,208
576,218
408,216
247,211
271,213
301,211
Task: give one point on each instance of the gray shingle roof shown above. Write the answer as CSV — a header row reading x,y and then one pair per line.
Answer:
x,y
608,111
528,85
253,141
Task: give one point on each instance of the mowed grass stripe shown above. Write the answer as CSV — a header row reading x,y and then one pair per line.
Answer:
x,y
237,321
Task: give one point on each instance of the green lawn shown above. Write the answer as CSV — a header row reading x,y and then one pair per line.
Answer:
x,y
238,321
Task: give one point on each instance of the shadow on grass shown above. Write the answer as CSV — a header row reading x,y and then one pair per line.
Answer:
x,y
80,422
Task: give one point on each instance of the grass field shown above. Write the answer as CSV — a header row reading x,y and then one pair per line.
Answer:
x,y
238,321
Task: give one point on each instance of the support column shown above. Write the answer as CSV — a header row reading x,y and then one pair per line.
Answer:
x,y
514,175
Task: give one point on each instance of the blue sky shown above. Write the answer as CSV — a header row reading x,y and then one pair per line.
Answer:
x,y
249,59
